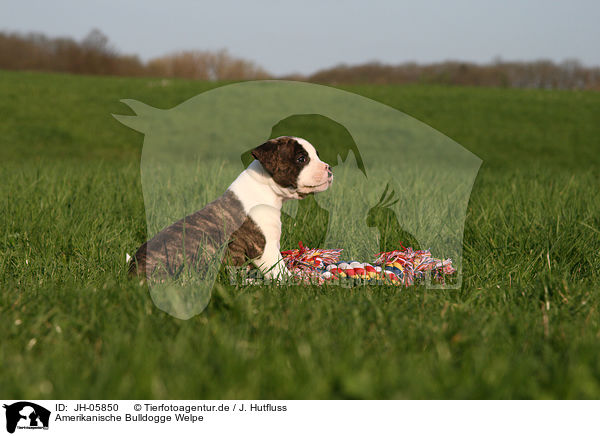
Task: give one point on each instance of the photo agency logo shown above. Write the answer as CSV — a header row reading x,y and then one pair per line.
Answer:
x,y
236,174
25,415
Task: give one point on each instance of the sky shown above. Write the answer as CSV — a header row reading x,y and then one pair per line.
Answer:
x,y
304,36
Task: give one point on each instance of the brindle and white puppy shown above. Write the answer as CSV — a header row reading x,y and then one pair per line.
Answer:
x,y
247,217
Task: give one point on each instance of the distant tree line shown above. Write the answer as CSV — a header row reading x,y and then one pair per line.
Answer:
x,y
95,55
205,65
569,74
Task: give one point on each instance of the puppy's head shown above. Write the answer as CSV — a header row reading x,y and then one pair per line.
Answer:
x,y
294,165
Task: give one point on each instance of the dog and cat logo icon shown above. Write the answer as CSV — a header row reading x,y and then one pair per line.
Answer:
x,y
26,415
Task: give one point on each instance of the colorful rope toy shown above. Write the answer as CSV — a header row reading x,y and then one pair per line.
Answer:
x,y
397,267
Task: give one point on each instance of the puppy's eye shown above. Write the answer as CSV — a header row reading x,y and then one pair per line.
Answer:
x,y
301,159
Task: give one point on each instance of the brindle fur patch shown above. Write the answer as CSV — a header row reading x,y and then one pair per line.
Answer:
x,y
197,238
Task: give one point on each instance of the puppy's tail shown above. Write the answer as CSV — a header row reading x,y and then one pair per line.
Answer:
x,y
137,263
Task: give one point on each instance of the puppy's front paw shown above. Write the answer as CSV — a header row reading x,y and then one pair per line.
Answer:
x,y
279,274
273,266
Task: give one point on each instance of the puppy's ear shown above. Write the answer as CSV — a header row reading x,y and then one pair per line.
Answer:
x,y
266,154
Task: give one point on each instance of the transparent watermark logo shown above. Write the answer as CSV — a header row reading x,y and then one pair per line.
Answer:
x,y
396,179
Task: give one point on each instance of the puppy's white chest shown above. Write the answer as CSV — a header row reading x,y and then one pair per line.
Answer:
x,y
268,220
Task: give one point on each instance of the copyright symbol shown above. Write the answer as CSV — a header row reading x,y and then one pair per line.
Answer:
x,y
137,407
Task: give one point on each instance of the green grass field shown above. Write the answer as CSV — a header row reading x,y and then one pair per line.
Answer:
x,y
526,323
